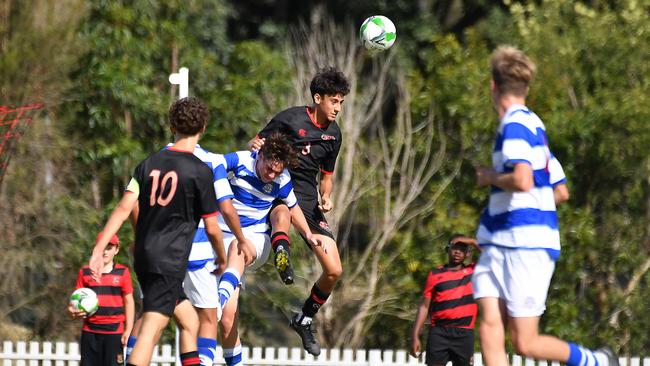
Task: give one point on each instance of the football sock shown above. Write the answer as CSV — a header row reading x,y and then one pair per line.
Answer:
x,y
580,356
280,239
190,359
233,356
207,349
315,300
227,285
130,343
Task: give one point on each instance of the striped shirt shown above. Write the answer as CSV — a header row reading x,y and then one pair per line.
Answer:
x,y
109,318
201,248
451,294
236,178
523,219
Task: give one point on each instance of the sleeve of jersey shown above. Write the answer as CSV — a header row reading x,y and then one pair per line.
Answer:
x,y
80,279
127,285
327,166
556,172
517,144
221,184
428,287
274,125
208,200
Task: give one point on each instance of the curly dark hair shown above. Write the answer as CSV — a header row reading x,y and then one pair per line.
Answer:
x,y
188,116
277,148
329,81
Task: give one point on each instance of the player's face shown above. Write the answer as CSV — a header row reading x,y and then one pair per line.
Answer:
x,y
268,170
109,253
457,253
329,105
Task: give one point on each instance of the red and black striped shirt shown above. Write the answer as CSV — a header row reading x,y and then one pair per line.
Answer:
x,y
109,318
451,294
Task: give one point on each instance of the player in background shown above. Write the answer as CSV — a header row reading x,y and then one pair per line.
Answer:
x,y
314,133
173,190
247,185
518,231
447,299
105,333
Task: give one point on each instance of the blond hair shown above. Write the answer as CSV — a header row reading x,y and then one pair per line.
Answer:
x,y
512,70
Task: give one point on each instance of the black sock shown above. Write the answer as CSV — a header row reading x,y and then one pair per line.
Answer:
x,y
315,300
190,359
280,238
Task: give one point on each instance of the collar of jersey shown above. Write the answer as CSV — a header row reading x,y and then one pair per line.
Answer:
x,y
313,121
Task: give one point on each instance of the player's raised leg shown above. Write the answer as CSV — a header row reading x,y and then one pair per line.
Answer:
x,y
280,219
328,256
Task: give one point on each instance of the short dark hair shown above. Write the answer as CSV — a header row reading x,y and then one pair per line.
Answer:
x,y
329,81
188,116
277,148
451,239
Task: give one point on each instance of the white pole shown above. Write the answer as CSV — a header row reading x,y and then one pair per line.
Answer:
x,y
181,78
178,345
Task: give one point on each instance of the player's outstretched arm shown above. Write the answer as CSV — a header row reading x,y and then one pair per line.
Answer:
x,y
118,216
216,239
326,187
420,318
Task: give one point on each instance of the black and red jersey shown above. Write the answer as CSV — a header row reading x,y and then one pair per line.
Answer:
x,y
318,147
451,294
175,190
109,318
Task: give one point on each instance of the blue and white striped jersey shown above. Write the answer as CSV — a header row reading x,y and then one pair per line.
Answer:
x,y
201,247
236,179
523,219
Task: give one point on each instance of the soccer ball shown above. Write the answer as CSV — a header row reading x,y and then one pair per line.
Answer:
x,y
377,33
85,299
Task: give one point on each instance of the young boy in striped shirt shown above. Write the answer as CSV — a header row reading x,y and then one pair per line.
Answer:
x,y
105,332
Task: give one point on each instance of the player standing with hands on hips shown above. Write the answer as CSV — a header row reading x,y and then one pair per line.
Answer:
x,y
518,231
314,133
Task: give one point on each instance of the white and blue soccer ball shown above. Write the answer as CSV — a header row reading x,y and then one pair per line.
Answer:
x,y
377,33
85,299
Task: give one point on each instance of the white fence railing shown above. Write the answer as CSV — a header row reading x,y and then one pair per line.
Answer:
x,y
67,354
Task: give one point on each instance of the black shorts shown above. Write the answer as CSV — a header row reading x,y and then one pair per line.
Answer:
x,y
101,349
314,216
161,293
450,344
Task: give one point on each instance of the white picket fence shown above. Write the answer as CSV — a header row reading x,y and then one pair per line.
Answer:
x,y
67,354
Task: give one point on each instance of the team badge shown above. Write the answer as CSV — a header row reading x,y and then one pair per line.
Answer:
x,y
231,175
268,188
302,132
116,280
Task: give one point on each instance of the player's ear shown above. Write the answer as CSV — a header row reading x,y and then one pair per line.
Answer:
x,y
317,98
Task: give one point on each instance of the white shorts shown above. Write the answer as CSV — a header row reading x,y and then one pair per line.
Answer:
x,y
201,285
262,244
520,277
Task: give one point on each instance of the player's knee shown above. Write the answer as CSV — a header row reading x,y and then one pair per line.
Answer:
x,y
280,217
333,273
522,348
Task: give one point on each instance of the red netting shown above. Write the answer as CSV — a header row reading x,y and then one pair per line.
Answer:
x,y
13,124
